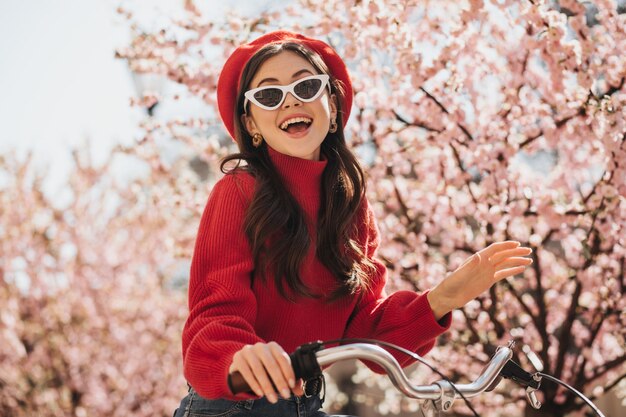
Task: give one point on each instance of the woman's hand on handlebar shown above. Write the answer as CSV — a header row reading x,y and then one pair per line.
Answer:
x,y
264,364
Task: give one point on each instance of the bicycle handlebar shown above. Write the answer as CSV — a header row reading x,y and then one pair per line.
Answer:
x,y
433,391
369,352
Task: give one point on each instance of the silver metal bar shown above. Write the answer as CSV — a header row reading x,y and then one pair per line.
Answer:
x,y
385,360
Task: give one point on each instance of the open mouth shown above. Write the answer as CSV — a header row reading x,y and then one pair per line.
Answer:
x,y
296,125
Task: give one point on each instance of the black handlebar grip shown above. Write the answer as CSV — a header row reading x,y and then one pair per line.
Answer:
x,y
238,384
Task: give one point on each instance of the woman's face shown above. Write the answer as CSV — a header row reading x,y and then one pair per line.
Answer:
x,y
297,140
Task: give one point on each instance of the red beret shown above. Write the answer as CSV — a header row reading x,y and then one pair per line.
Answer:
x,y
228,83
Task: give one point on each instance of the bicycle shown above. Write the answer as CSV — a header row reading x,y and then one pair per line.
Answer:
x,y
438,397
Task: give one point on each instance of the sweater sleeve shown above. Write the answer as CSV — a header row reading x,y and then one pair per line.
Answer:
x,y
222,306
404,318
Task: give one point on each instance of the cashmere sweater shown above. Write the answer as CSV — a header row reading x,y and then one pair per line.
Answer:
x,y
231,306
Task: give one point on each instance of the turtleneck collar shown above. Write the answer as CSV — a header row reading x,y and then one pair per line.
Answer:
x,y
301,175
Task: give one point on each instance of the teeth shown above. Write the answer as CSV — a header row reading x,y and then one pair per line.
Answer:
x,y
286,123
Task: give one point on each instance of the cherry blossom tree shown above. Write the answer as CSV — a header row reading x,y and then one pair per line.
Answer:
x,y
89,324
478,121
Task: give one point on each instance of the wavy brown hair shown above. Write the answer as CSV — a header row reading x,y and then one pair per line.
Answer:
x,y
274,215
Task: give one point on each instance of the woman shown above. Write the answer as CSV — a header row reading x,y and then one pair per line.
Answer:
x,y
285,249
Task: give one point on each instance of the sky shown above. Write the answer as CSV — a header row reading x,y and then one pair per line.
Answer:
x,y
60,84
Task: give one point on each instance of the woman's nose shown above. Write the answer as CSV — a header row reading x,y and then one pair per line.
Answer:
x,y
291,100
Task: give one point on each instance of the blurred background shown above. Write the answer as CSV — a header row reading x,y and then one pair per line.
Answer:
x,y
477,121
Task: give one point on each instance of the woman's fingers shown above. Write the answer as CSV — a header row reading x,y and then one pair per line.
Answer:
x,y
510,261
278,364
494,248
240,364
254,357
513,263
505,273
500,256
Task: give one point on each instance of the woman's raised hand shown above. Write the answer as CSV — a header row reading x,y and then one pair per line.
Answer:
x,y
477,274
264,364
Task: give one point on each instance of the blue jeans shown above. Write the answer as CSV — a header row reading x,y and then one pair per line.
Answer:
x,y
193,405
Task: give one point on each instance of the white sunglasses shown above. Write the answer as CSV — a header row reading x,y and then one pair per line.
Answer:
x,y
270,97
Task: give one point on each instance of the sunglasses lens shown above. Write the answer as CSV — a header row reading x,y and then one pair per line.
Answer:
x,y
269,97
307,89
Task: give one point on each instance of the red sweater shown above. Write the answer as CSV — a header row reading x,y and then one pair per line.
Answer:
x,y
229,309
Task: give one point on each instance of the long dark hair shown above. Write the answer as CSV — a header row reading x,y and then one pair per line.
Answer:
x,y
274,215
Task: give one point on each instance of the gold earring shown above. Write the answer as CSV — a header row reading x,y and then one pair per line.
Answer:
x,y
333,126
257,140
